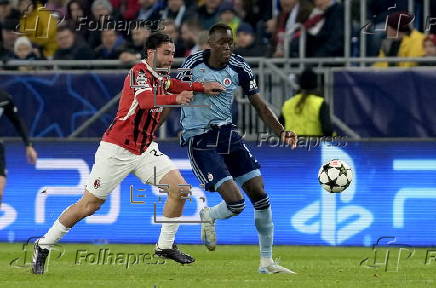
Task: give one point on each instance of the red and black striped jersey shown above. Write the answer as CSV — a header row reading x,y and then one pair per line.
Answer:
x,y
140,107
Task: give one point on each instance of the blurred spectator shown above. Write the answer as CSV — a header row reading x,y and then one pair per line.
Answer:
x,y
171,30
57,7
227,15
429,45
7,12
203,41
76,10
138,37
189,33
292,12
329,41
102,13
69,48
402,40
247,11
23,51
307,114
208,13
111,45
127,8
128,58
177,11
246,43
39,25
149,10
9,36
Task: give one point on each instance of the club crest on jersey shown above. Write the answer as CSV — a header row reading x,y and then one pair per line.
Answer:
x,y
97,183
209,176
227,82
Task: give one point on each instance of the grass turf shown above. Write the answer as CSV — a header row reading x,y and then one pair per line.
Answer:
x,y
228,266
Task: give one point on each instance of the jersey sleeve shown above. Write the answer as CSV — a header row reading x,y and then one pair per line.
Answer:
x,y
11,111
246,78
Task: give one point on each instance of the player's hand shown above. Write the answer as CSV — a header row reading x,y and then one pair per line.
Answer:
x,y
31,155
213,88
184,98
289,138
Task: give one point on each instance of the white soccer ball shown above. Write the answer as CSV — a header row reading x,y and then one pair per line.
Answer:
x,y
335,176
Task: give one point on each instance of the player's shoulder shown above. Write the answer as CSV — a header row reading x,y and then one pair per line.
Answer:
x,y
194,59
238,63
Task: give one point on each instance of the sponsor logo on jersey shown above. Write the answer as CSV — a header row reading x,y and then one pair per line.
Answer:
x,y
158,109
253,85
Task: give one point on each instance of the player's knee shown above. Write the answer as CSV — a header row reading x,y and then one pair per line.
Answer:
x,y
261,201
236,207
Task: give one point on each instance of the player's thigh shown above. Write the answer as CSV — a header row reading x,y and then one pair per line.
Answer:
x,y
241,163
153,166
112,164
208,165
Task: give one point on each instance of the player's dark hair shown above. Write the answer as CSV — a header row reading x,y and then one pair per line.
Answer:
x,y
308,85
220,27
155,40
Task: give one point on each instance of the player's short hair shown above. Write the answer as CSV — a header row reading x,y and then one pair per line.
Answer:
x,y
156,39
220,27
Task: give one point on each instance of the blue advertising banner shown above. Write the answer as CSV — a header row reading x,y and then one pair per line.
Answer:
x,y
386,103
393,193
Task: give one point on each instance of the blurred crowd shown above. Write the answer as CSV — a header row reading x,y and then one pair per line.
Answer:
x,y
118,29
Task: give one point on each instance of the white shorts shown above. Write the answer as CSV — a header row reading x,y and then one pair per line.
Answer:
x,y
113,163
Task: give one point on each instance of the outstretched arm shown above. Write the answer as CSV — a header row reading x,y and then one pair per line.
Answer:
x,y
177,86
270,119
11,111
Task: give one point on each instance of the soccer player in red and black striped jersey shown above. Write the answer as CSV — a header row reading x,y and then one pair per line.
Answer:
x,y
127,147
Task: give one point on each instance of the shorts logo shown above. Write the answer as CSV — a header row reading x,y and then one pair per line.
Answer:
x,y
209,176
97,183
227,82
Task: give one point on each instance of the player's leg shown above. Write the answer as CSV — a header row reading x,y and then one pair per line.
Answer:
x,y
254,188
107,172
209,167
2,188
156,168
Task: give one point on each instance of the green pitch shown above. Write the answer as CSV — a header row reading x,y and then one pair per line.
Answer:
x,y
82,266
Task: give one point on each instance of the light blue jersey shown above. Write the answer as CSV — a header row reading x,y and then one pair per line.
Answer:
x,y
218,109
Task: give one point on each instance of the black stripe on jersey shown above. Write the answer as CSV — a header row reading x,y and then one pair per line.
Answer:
x,y
144,130
137,121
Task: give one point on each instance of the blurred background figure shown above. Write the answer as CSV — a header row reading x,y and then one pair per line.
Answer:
x,y
9,109
111,45
138,37
149,10
9,36
74,12
69,48
101,13
246,44
177,11
429,45
128,58
306,113
207,14
128,9
402,40
228,16
291,13
39,25
189,33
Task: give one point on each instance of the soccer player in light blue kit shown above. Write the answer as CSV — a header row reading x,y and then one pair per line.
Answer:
x,y
217,152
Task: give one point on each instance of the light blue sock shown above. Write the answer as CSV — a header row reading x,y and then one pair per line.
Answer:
x,y
265,229
220,211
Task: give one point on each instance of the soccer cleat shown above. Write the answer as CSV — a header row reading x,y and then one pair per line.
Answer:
x,y
38,259
174,254
275,269
208,235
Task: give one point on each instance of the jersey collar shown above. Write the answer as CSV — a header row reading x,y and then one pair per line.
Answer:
x,y
150,69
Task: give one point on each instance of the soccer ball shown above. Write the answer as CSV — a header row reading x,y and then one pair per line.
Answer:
x,y
335,176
